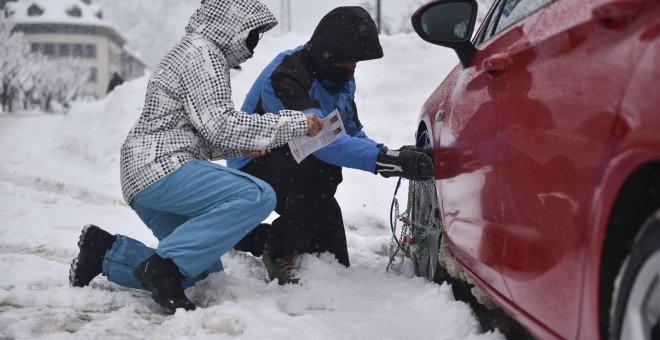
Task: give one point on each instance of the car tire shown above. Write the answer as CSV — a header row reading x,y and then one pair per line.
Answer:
x,y
426,227
635,311
425,223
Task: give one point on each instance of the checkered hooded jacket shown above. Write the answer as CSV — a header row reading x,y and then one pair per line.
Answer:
x,y
188,112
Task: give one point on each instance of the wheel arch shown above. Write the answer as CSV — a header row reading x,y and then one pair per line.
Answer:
x,y
637,199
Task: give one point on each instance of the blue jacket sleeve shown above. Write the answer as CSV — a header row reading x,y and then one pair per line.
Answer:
x,y
351,152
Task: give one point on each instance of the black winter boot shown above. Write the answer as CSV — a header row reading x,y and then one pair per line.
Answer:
x,y
284,269
94,242
163,279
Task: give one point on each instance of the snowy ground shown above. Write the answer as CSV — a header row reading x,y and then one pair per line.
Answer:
x,y
58,173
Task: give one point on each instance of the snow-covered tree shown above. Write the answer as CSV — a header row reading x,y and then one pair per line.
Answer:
x,y
25,75
61,81
29,78
13,54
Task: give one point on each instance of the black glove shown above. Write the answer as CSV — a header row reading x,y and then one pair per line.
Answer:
x,y
426,151
412,165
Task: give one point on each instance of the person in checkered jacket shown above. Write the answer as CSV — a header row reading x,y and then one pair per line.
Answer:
x,y
197,209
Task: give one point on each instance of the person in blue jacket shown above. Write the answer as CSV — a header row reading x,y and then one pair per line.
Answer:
x,y
318,78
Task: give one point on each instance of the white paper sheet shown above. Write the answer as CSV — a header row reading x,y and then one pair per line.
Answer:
x,y
333,128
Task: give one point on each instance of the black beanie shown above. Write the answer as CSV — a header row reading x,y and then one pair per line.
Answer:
x,y
344,34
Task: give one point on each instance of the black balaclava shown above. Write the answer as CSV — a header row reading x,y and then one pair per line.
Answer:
x,y
339,75
252,39
344,34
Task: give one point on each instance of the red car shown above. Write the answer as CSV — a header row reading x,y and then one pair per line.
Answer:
x,y
546,145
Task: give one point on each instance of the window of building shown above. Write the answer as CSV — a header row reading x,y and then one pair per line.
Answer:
x,y
65,50
90,51
8,12
89,2
74,11
35,10
49,50
114,58
99,14
35,48
78,50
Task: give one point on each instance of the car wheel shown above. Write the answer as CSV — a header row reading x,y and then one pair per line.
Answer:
x,y
425,222
635,313
425,225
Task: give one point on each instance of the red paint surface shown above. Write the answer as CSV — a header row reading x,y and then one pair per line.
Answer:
x,y
535,139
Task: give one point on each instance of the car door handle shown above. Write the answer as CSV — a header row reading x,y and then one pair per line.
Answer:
x,y
618,14
497,64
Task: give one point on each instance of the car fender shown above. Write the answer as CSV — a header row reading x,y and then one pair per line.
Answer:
x,y
634,143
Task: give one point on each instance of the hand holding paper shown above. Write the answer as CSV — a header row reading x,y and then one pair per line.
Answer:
x,y
332,128
314,124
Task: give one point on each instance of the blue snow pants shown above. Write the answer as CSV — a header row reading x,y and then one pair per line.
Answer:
x,y
198,213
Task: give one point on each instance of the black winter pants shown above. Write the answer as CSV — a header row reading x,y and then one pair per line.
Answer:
x,y
310,218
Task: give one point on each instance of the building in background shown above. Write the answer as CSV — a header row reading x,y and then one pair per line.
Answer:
x,y
75,30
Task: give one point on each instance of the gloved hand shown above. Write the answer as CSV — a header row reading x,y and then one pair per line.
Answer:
x,y
412,165
426,151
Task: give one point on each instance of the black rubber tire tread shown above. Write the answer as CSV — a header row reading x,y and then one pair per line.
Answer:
x,y
647,243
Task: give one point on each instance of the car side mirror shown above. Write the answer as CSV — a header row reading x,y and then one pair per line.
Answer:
x,y
448,23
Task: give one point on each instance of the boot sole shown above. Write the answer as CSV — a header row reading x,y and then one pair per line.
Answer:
x,y
74,263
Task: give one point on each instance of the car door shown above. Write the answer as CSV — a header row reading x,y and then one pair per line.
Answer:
x,y
561,87
468,125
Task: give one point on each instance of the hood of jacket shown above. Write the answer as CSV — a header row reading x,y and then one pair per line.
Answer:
x,y
227,23
344,34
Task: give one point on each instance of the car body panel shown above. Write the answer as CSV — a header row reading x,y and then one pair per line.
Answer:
x,y
556,138
635,141
530,157
470,132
